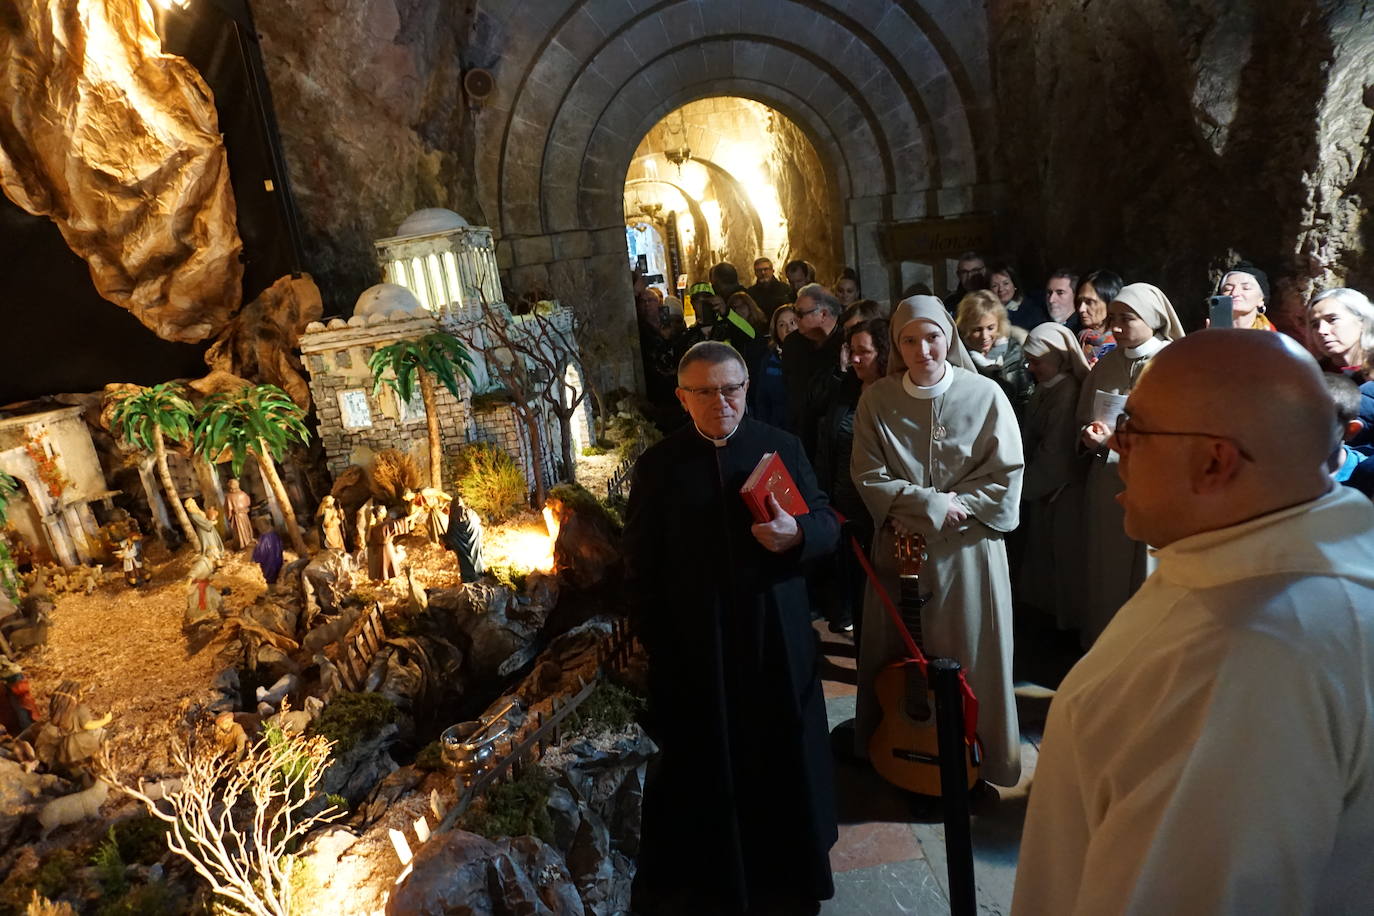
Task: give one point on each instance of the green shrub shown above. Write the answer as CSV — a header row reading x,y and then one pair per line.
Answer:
x,y
628,427
110,868
431,757
512,577
582,502
153,899
351,718
609,708
142,839
490,482
517,807
591,451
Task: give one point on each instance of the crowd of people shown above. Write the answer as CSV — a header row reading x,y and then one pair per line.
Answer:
x,y
1066,450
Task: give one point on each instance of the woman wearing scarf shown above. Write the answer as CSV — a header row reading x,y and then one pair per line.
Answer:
x,y
1143,322
1052,488
1248,287
937,452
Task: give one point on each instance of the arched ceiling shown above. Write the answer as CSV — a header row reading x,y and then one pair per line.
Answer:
x,y
894,93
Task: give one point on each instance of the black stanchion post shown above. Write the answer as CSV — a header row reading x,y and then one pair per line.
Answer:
x,y
949,729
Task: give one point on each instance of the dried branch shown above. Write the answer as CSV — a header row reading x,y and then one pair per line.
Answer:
x,y
236,819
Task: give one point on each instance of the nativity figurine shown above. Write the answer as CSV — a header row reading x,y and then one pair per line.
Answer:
x,y
229,737
268,553
130,553
73,734
384,555
203,600
331,524
211,544
464,538
17,709
237,504
430,506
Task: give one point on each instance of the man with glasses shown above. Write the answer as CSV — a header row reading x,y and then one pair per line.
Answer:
x,y
971,272
1214,751
739,814
768,291
808,356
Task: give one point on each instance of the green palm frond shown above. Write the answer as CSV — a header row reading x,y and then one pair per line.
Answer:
x,y
440,354
8,488
162,407
238,421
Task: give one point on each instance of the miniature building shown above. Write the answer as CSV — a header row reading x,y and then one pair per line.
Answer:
x,y
53,458
448,293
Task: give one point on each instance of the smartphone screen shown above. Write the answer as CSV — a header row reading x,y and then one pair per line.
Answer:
x,y
1219,311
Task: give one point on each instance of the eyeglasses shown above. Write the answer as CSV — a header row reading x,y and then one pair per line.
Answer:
x,y
803,314
1126,430
729,392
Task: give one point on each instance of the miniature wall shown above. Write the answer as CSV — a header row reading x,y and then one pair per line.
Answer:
x,y
341,385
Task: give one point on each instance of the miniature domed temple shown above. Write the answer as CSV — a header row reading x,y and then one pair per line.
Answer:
x,y
333,333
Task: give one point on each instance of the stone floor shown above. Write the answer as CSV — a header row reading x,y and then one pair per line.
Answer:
x,y
885,863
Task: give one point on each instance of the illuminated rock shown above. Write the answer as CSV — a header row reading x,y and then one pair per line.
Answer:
x,y
122,149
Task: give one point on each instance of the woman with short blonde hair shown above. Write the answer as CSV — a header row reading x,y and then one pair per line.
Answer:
x,y
985,328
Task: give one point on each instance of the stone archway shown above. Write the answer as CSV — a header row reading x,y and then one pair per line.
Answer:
x,y
896,96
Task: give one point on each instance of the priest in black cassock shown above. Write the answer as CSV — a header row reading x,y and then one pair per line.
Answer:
x,y
739,815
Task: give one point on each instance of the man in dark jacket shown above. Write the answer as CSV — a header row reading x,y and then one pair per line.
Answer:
x,y
768,292
808,356
739,816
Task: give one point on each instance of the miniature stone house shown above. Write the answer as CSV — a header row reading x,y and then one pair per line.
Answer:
x,y
52,456
355,423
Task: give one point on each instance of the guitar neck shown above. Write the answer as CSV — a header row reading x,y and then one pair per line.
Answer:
x,y
911,608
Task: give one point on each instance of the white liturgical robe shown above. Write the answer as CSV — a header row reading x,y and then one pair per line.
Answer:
x,y
1214,751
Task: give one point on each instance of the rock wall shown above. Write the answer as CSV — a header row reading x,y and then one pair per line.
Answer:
x,y
373,121
1165,137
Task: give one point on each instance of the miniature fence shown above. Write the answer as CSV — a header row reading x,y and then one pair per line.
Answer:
x,y
615,487
614,652
358,652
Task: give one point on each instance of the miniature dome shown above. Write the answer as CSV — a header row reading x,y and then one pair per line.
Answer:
x,y
385,298
429,221
314,327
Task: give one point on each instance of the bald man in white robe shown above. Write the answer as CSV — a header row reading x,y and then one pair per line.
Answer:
x,y
1214,751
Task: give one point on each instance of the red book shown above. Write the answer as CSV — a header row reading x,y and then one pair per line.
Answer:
x,y
770,476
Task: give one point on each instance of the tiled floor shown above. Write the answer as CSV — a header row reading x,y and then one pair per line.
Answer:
x,y
885,863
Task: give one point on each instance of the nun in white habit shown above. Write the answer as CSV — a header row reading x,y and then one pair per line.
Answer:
x,y
1143,322
937,452
1052,489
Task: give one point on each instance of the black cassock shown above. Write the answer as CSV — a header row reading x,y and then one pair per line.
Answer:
x,y
741,809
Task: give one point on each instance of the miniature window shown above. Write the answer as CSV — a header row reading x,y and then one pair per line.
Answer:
x,y
354,408
412,410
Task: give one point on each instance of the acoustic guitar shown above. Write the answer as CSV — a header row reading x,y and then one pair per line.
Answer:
x,y
904,749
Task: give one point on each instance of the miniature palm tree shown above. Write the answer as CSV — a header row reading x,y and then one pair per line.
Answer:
x,y
146,420
9,576
262,421
435,356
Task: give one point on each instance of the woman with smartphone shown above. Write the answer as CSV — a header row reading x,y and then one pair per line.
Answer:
x,y
1143,322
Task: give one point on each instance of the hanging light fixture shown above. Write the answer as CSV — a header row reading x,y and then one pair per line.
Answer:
x,y
678,154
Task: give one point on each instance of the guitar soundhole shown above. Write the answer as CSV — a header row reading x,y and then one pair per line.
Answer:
x,y
917,695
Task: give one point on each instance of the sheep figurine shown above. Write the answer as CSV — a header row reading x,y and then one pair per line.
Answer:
x,y
72,808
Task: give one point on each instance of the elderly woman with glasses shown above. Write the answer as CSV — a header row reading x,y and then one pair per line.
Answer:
x,y
1143,322
937,453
